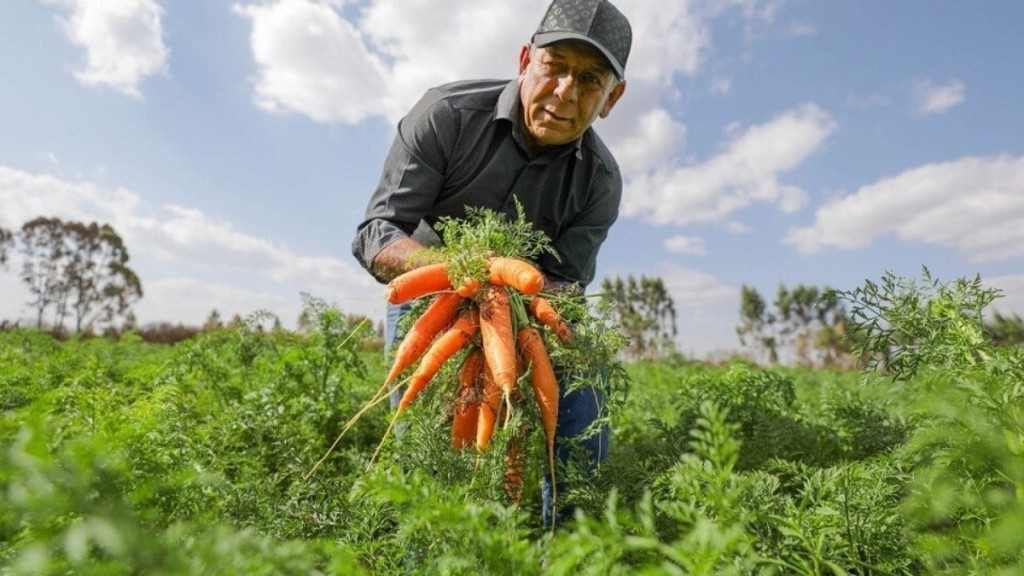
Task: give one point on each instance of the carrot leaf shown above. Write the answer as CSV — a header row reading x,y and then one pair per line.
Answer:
x,y
469,242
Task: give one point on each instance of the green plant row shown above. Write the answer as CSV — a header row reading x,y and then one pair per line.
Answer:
x,y
127,457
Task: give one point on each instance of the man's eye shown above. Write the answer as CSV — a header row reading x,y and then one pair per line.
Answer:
x,y
591,80
551,68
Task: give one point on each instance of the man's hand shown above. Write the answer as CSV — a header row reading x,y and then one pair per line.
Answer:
x,y
562,287
401,256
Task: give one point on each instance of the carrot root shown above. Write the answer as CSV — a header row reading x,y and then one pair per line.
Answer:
x,y
489,406
418,282
440,351
439,314
498,341
516,273
544,383
467,403
545,313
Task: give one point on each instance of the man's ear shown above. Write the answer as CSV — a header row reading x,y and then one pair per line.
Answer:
x,y
524,58
613,97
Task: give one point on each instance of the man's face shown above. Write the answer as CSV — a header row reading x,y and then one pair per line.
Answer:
x,y
564,87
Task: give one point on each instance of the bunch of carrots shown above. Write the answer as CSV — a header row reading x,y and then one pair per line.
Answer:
x,y
500,324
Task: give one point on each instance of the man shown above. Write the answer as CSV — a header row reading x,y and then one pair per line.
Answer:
x,y
488,143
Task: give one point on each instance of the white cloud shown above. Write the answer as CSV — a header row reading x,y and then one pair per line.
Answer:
x,y
123,41
759,11
647,141
720,85
927,97
736,227
189,235
189,301
669,38
428,42
747,171
706,311
800,28
313,62
686,245
346,66
973,204
25,196
694,288
176,240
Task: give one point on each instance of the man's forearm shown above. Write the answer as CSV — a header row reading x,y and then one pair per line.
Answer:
x,y
397,258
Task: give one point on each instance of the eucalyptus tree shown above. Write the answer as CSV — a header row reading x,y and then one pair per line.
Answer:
x,y
6,240
757,324
645,313
78,270
808,322
102,285
43,269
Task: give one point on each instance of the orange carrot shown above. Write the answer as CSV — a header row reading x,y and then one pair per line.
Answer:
x,y
515,461
544,384
438,315
469,287
418,282
490,405
467,404
440,351
516,273
498,341
545,313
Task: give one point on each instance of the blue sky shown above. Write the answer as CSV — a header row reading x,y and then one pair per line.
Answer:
x,y
233,144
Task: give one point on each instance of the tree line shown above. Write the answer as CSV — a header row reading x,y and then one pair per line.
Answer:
x,y
804,325
75,272
807,326
811,326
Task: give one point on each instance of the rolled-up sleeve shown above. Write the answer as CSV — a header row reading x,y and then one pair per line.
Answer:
x,y
411,179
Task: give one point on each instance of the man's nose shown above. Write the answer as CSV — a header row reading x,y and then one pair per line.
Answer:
x,y
566,87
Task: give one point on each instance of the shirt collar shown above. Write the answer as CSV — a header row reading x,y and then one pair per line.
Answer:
x,y
509,108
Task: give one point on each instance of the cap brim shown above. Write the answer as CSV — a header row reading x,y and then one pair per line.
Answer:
x,y
547,38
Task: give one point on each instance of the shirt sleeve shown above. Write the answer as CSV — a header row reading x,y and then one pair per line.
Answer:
x,y
578,244
411,179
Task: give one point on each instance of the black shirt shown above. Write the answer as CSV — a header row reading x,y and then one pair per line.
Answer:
x,y
461,145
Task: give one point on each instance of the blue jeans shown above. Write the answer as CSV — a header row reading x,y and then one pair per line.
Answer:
x,y
576,411
391,336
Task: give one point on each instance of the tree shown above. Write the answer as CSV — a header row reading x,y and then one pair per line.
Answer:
x,y
213,321
835,339
1005,330
6,241
102,286
809,322
131,323
77,269
645,313
43,245
757,323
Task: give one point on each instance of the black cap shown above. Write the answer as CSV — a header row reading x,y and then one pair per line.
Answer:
x,y
596,22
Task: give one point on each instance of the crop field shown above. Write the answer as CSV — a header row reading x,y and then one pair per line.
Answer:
x,y
224,454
